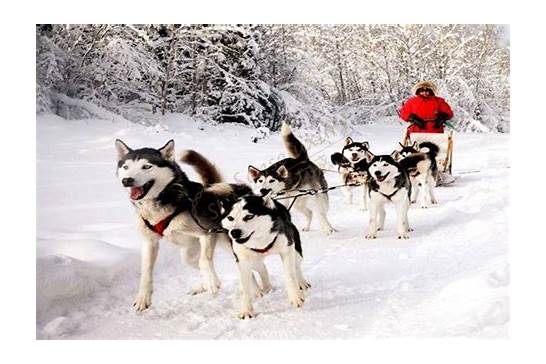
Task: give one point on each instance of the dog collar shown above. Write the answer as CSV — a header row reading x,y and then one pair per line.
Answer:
x,y
266,249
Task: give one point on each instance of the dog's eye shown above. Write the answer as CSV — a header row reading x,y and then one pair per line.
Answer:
x,y
125,166
261,180
385,165
271,181
248,217
230,218
147,166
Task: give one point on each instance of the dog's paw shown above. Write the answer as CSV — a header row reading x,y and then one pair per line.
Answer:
x,y
371,236
403,236
305,228
296,300
143,302
243,315
304,285
328,231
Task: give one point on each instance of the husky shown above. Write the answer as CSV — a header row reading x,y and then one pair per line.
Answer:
x,y
387,182
170,206
292,174
259,226
419,160
352,167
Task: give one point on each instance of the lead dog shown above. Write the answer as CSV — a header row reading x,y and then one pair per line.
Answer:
x,y
259,226
388,182
170,206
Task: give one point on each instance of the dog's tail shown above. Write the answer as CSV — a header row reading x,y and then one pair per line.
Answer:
x,y
433,149
293,146
206,170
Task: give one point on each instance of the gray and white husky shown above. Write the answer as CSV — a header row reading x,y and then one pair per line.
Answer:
x,y
352,167
419,160
292,174
170,206
259,226
387,182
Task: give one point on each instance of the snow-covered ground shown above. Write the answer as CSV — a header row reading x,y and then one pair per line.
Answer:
x,y
450,279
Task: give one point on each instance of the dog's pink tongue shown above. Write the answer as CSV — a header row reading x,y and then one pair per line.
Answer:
x,y
136,192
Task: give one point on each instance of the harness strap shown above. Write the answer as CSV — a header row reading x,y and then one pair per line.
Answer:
x,y
389,196
266,249
161,226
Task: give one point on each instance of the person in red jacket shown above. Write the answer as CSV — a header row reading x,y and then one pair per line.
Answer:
x,y
425,111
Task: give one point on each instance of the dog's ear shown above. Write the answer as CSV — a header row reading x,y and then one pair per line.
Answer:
x,y
268,202
401,145
369,156
395,155
336,158
366,145
122,148
282,171
253,173
167,151
348,141
415,145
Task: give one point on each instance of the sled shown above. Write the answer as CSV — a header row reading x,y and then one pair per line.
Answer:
x,y
444,141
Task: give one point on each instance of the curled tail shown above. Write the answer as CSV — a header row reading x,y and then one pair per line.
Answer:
x,y
293,146
206,170
432,152
433,149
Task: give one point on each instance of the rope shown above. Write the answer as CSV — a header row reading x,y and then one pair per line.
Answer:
x,y
310,191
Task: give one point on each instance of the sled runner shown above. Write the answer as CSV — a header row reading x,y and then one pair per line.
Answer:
x,y
445,156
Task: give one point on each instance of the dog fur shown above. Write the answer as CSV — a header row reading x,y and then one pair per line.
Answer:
x,y
259,226
170,206
292,174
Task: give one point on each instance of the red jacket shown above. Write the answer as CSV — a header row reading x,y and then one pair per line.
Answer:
x,y
427,108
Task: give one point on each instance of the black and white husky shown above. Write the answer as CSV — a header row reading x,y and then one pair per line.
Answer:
x,y
259,226
353,167
170,206
292,174
387,182
419,160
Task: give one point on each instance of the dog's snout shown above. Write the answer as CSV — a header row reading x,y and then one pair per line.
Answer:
x,y
264,191
128,181
355,155
378,173
235,233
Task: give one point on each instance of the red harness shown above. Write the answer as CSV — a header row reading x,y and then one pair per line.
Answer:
x,y
266,249
161,226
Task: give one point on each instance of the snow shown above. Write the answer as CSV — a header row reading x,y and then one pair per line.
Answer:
x,y
450,279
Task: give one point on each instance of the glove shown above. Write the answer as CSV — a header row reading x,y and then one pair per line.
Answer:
x,y
417,121
440,119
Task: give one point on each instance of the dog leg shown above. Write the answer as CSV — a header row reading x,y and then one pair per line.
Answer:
x,y
264,277
322,207
348,194
364,206
211,282
432,183
245,280
414,189
372,228
302,283
402,217
381,217
295,296
150,249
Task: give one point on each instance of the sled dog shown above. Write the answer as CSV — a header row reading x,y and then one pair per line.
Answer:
x,y
387,182
419,160
292,174
259,226
168,205
352,167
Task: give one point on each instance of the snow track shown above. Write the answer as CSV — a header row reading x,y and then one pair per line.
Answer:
x,y
450,279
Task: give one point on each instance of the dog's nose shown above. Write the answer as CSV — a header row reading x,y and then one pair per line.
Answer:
x,y
128,181
355,155
235,233
378,173
264,191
